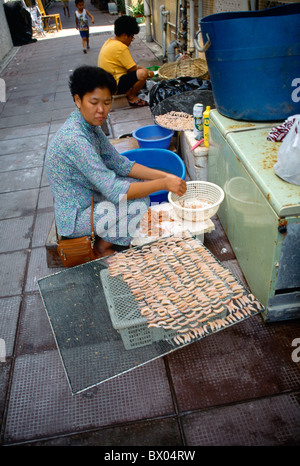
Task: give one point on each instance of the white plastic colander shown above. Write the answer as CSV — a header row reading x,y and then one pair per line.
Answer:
x,y
200,202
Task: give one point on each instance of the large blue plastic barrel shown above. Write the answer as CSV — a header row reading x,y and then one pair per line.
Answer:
x,y
254,62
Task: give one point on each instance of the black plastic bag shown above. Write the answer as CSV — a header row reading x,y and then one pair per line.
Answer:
x,y
184,102
165,89
19,23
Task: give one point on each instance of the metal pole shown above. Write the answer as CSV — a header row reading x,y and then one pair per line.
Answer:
x,y
127,5
148,23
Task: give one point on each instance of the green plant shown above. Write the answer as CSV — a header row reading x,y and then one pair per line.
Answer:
x,y
137,9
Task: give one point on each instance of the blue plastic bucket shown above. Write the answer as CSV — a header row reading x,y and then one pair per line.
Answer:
x,y
254,62
153,136
161,159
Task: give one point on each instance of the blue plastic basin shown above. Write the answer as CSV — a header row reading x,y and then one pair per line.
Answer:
x,y
254,62
153,136
161,159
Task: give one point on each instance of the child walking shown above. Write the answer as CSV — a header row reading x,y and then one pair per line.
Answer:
x,y
82,23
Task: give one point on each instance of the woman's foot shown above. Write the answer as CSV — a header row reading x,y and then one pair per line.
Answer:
x,y
103,248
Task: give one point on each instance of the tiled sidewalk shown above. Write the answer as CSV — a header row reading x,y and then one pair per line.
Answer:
x,y
238,387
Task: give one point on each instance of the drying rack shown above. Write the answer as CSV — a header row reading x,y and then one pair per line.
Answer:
x,y
197,309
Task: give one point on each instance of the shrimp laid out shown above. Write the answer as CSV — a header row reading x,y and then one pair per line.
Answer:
x,y
181,287
194,203
178,121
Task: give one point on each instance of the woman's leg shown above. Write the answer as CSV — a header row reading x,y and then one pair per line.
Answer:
x,y
103,248
114,224
118,223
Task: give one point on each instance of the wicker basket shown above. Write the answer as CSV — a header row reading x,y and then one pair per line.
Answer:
x,y
205,196
193,67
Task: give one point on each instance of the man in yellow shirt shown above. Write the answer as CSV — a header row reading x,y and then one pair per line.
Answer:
x,y
116,58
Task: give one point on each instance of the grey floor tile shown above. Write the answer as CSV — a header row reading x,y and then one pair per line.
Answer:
x,y
18,203
42,78
13,267
24,144
24,131
266,422
45,199
13,109
41,404
127,127
22,160
17,180
31,90
63,100
38,269
142,55
58,114
237,363
5,368
36,99
55,125
35,334
31,118
63,87
158,432
125,121
15,233
41,229
44,180
129,114
9,314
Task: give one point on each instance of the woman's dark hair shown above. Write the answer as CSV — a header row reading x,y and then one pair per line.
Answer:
x,y
126,24
87,78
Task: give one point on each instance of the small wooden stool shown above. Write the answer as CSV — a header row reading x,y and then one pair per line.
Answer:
x,y
53,259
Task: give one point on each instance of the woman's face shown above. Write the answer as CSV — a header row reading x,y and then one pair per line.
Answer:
x,y
94,106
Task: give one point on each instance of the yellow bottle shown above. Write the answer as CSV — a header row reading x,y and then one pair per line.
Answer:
x,y
206,125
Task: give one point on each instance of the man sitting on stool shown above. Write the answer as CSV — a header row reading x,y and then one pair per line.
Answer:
x,y
116,58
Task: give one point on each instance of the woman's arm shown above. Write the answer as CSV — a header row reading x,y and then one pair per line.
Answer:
x,y
157,181
144,173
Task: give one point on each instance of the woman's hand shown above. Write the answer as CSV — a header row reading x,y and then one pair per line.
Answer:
x,y
156,180
144,188
175,184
